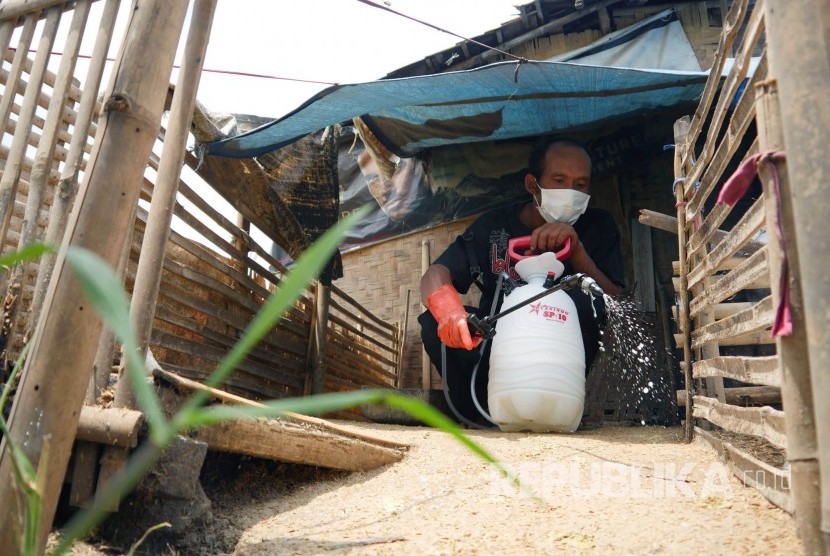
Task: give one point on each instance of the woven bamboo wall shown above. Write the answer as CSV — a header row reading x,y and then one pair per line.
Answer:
x,y
380,275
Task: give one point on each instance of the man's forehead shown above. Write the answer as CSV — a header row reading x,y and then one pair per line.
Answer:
x,y
564,157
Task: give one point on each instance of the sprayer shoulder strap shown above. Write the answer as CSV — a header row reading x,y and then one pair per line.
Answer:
x,y
475,269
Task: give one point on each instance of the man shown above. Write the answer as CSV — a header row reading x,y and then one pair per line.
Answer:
x,y
558,182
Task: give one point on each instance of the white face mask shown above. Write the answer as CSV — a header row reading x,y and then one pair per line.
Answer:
x,y
562,205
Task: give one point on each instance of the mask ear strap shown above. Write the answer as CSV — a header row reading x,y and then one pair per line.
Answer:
x,y
539,187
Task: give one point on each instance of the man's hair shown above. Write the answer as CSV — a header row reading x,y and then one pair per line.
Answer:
x,y
536,162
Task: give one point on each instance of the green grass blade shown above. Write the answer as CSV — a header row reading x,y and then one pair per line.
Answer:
x,y
324,403
309,405
106,293
18,366
28,253
24,471
291,287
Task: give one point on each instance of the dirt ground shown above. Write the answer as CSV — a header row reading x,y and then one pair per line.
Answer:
x,y
612,490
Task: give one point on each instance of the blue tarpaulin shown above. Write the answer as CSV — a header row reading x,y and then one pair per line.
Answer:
x,y
500,101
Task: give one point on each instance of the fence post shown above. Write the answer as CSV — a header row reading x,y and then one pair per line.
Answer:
x,y
163,202
401,333
54,381
798,34
426,364
681,130
796,392
320,324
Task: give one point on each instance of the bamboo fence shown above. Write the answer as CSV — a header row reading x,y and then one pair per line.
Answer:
x,y
720,257
106,175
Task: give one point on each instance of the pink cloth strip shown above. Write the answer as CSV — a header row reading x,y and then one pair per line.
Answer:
x,y
735,188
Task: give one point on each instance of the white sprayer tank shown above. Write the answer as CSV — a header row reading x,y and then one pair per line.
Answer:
x,y
537,362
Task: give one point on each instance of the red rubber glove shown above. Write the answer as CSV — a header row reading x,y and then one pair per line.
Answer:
x,y
445,305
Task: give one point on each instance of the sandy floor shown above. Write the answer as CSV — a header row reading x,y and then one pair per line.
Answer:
x,y
632,490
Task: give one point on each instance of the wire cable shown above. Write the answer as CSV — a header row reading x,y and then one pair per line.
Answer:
x,y
441,29
226,72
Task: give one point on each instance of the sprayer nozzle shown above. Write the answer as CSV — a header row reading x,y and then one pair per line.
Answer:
x,y
590,287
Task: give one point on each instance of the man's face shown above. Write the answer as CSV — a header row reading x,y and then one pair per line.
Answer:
x,y
566,167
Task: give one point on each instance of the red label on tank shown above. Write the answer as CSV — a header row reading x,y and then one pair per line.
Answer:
x,y
549,312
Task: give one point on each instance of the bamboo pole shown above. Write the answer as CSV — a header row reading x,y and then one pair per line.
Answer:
x,y
796,392
743,396
111,426
157,230
402,339
240,241
322,296
16,70
802,72
105,352
68,183
42,164
681,131
17,152
669,224
100,222
426,364
12,9
6,30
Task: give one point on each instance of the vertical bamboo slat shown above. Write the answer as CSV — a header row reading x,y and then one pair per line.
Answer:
x,y
426,364
681,131
802,71
401,338
796,392
100,222
42,164
148,274
322,296
17,152
16,70
6,30
68,183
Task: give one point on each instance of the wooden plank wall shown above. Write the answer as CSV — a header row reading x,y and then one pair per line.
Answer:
x,y
723,282
214,279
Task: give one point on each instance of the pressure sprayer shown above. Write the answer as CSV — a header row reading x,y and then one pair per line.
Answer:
x,y
537,361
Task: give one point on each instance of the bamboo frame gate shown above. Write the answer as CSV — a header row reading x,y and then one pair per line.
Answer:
x,y
67,177
716,264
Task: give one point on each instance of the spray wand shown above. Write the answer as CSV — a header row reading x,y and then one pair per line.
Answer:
x,y
485,327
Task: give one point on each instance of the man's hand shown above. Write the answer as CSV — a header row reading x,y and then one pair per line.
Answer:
x,y
445,305
552,235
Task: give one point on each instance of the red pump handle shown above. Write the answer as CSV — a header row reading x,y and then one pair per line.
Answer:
x,y
523,243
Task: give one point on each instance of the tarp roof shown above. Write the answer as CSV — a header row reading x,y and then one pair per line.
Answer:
x,y
499,101
646,66
658,41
